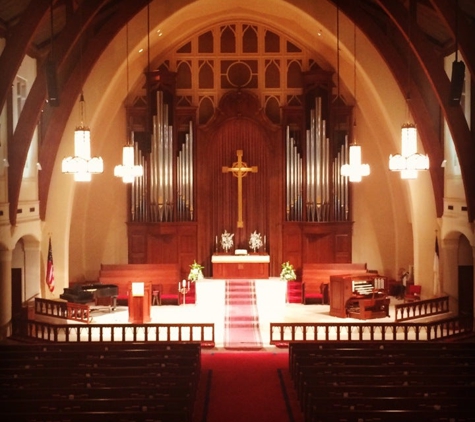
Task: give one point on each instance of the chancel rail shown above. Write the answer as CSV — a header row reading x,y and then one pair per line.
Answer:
x,y
77,333
283,333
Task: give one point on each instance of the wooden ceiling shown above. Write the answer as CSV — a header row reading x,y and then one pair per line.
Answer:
x,y
431,28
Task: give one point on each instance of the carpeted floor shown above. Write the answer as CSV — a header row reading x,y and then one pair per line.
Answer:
x,y
241,316
246,387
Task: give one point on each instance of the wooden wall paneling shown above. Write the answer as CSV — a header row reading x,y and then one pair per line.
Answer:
x,y
238,125
137,243
292,246
327,242
162,245
343,247
187,249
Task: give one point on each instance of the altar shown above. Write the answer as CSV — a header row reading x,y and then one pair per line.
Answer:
x,y
226,266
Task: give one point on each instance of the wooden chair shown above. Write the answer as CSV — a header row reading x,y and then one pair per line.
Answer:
x,y
413,293
156,294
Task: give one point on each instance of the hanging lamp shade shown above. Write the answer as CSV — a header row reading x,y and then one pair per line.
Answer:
x,y
81,164
128,170
409,162
355,170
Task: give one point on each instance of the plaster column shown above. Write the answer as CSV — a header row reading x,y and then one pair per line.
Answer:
x,y
32,270
5,293
449,258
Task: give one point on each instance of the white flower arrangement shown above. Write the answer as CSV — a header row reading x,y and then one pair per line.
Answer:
x,y
196,272
227,241
288,272
255,241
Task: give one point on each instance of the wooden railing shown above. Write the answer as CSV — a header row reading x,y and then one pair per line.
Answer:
x,y
75,333
283,333
64,310
421,308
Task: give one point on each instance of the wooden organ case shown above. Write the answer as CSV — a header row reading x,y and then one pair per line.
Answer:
x,y
303,206
361,296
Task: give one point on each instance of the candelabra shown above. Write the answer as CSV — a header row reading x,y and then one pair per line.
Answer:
x,y
184,288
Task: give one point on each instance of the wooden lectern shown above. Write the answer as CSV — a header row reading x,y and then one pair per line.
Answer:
x,y
140,299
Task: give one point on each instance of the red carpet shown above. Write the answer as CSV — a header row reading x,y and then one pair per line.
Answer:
x,y
246,387
241,317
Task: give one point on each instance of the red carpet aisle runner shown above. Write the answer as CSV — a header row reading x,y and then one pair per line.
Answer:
x,y
241,325
246,387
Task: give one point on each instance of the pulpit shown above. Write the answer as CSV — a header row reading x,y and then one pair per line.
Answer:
x,y
139,299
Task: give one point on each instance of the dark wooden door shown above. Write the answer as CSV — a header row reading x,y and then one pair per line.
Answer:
x,y
16,291
465,287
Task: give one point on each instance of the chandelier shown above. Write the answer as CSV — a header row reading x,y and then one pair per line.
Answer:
x,y
128,170
82,165
409,162
355,170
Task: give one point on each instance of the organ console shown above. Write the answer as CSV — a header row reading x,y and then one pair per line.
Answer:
x,y
361,296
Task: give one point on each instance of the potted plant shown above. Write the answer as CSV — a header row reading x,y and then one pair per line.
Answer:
x,y
196,272
288,272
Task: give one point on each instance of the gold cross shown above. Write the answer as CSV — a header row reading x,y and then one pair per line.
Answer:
x,y
239,169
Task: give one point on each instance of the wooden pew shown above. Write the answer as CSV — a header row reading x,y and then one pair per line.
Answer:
x,y
166,276
385,381
91,382
316,278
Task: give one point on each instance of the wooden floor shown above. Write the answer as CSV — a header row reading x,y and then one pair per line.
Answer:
x,y
210,308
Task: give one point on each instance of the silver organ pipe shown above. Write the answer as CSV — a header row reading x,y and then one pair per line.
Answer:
x,y
161,165
152,196
293,179
340,182
185,178
326,189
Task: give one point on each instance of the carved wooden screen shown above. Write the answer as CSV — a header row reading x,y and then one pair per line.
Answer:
x,y
217,191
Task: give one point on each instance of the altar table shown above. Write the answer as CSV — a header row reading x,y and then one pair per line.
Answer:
x,y
228,266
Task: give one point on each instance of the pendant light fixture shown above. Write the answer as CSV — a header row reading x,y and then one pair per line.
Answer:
x,y
128,170
81,164
354,170
409,162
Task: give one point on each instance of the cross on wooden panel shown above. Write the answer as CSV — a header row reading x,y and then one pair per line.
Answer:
x,y
239,169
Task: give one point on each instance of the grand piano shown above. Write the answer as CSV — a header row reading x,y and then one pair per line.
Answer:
x,y
100,294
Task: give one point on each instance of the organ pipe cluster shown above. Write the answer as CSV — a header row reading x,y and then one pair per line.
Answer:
x,y
340,198
185,179
153,198
315,179
318,167
293,180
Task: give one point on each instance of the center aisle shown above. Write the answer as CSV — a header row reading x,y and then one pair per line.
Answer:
x,y
241,316
246,387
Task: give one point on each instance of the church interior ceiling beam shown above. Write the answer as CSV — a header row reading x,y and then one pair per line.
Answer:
x,y
461,30
22,27
17,43
35,105
433,67
71,75
384,38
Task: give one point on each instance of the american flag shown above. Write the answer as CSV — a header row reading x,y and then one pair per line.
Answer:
x,y
50,268
436,270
